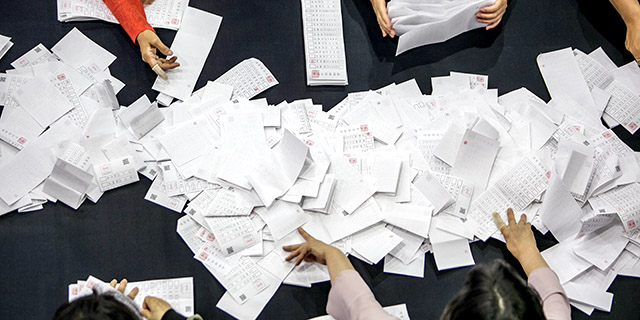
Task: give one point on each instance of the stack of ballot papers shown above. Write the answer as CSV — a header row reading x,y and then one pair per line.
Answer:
x,y
420,23
326,62
385,175
166,14
177,292
5,45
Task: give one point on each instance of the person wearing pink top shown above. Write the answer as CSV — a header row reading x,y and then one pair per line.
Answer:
x,y
130,14
492,291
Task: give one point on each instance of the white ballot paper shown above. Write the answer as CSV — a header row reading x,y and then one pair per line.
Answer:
x,y
276,173
429,186
77,50
5,45
516,189
426,27
449,250
178,292
192,45
68,183
248,78
324,43
43,101
166,14
375,242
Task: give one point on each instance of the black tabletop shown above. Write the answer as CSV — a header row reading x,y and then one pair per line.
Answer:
x,y
125,236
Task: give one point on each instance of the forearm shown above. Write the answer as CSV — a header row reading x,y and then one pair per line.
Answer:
x,y
130,15
629,10
337,262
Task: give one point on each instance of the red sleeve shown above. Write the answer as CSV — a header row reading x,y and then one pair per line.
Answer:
x,y
130,14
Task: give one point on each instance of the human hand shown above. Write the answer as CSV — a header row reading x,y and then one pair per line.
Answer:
x,y
632,43
146,2
154,308
520,241
492,15
123,286
312,250
150,44
380,8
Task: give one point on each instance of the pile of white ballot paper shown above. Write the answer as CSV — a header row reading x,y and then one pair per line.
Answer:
x,y
166,14
420,23
385,175
5,45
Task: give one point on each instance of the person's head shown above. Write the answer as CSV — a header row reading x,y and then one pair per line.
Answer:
x,y
494,291
95,307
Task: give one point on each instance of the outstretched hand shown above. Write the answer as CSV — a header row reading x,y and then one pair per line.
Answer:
x,y
520,241
312,250
492,15
380,8
150,44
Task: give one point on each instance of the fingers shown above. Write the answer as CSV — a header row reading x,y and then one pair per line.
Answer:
x,y
523,220
510,217
499,222
123,285
113,283
133,293
493,25
168,64
145,313
304,234
162,47
291,247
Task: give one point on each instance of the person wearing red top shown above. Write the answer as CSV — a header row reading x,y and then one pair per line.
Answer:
x,y
130,14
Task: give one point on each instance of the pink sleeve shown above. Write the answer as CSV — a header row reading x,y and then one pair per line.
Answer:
x,y
555,303
130,15
351,298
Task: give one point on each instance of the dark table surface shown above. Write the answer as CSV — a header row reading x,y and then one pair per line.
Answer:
x,y
125,236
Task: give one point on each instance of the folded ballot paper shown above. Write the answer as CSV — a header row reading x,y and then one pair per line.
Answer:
x,y
166,14
5,45
422,23
389,174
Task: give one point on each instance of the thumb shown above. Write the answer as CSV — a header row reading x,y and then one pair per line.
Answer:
x,y
145,313
162,47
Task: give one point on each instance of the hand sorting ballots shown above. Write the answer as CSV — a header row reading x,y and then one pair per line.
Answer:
x,y
520,241
491,15
150,44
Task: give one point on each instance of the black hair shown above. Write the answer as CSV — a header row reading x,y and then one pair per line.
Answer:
x,y
494,291
95,307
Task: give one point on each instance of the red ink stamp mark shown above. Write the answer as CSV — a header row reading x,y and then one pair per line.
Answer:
x,y
270,79
364,128
633,125
353,160
315,74
465,142
631,224
62,77
22,140
607,135
204,256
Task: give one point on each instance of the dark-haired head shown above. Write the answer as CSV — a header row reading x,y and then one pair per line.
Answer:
x,y
95,307
494,291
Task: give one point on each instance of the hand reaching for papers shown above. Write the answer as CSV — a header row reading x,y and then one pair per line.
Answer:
x,y
314,250
492,15
520,241
150,44
380,8
154,308
122,286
